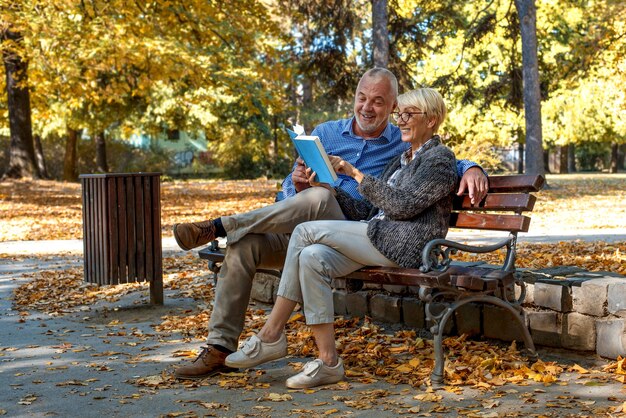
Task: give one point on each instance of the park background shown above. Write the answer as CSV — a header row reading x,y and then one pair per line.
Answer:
x,y
198,89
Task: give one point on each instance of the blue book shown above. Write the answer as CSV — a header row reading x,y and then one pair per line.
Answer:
x,y
312,152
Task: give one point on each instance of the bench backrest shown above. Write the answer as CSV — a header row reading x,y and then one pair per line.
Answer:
x,y
506,194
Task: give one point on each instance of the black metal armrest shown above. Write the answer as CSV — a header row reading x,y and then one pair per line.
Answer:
x,y
435,257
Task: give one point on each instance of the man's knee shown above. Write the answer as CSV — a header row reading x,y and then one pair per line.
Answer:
x,y
249,246
258,250
319,194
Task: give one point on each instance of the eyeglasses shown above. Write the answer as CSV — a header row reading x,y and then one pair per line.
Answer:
x,y
404,116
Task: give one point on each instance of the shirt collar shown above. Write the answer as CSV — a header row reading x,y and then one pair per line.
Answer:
x,y
348,130
406,156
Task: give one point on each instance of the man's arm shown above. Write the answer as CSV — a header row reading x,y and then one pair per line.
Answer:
x,y
473,180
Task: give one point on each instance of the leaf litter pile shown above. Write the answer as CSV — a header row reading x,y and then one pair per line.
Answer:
x,y
370,352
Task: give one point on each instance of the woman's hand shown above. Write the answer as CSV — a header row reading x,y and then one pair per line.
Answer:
x,y
343,167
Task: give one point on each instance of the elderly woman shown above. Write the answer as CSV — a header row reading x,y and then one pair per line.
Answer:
x,y
407,207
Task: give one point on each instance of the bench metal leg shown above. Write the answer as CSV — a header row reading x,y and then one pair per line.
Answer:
x,y
440,320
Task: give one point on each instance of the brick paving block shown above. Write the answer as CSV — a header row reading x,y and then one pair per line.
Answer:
x,y
413,312
579,332
372,286
553,296
340,302
356,304
546,327
617,296
386,308
500,324
591,297
264,288
396,289
469,319
611,337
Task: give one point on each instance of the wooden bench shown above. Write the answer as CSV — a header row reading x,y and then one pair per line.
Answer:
x,y
444,287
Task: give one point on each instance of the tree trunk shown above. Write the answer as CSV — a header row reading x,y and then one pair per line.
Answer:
x,y
621,157
546,161
69,160
520,158
613,165
22,149
101,154
532,94
39,158
562,152
380,33
571,158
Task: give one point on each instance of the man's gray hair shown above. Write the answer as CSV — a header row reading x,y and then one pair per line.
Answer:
x,y
378,72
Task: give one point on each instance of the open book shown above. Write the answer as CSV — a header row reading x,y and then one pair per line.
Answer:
x,y
312,152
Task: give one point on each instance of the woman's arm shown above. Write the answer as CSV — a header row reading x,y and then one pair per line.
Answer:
x,y
418,187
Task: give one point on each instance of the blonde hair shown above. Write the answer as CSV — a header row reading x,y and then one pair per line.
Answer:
x,y
427,100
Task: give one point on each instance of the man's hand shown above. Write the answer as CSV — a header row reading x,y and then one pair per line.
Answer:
x,y
476,184
313,183
299,177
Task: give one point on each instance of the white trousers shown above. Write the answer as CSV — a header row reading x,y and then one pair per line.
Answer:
x,y
318,252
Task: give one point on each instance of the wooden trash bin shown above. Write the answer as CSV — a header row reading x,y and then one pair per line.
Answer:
x,y
122,230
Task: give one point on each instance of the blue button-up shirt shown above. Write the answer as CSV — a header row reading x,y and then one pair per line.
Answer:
x,y
370,156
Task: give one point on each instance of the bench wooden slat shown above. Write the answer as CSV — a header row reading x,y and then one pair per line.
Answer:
x,y
518,202
490,222
401,276
516,183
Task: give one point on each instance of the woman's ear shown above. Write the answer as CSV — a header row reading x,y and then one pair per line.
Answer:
x,y
431,122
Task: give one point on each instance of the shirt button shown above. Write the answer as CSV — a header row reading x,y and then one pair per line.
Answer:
x,y
359,154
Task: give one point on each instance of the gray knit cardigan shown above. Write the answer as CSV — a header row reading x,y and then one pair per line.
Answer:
x,y
417,208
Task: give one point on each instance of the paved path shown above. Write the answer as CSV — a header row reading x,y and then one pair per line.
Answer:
x,y
169,244
83,364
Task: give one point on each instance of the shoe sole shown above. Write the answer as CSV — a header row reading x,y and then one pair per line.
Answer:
x,y
254,364
204,376
180,244
314,385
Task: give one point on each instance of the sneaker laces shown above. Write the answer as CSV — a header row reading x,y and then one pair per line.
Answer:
x,y
312,367
203,354
250,346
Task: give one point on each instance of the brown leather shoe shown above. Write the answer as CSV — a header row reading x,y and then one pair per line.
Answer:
x,y
192,235
209,362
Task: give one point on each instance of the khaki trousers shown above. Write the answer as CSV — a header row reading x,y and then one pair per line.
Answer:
x,y
319,252
259,239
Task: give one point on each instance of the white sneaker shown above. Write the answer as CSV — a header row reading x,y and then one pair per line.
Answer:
x,y
254,352
316,373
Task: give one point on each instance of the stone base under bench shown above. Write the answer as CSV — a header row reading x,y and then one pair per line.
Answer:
x,y
566,307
